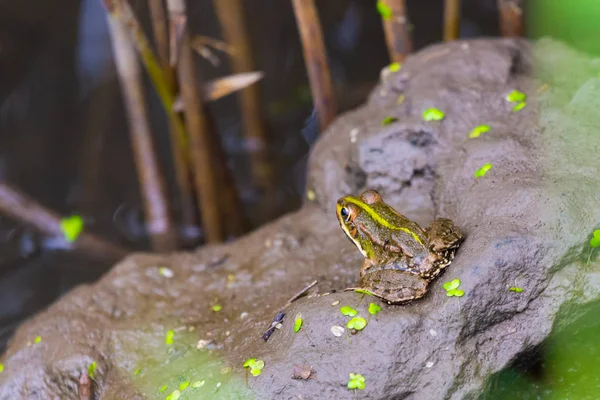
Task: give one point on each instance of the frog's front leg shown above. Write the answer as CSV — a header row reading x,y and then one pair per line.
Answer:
x,y
444,235
393,286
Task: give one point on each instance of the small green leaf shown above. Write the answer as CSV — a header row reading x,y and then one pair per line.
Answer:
x,y
1,368
516,289
453,284
249,362
357,323
455,292
384,10
483,170
374,308
433,114
37,339
348,311
255,371
184,385
198,384
297,324
597,233
216,308
174,396
92,369
259,364
395,67
169,337
478,130
162,388
71,227
519,106
356,381
516,96
595,241
388,120
137,371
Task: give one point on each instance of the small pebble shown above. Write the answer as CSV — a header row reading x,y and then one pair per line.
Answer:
x,y
301,371
432,333
429,364
244,315
335,303
337,330
166,272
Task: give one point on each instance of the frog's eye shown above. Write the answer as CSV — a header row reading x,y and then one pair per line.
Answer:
x,y
345,214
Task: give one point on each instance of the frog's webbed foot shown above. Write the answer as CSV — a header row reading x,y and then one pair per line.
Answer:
x,y
444,235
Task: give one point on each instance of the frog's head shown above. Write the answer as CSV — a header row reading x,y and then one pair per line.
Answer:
x,y
359,219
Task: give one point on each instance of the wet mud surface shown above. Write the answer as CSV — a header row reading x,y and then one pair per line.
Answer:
x,y
527,224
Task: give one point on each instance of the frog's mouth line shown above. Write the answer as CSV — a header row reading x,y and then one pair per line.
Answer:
x,y
350,237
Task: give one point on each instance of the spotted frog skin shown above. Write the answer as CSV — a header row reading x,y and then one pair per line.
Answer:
x,y
401,258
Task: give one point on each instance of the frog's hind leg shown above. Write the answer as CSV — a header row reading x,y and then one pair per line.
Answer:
x,y
444,236
394,287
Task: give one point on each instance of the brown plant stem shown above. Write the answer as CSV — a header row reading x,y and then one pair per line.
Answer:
x,y
180,161
18,206
199,139
235,33
159,222
397,31
315,60
451,20
511,17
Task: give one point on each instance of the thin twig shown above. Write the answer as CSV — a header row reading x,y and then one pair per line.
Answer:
x,y
451,20
397,31
200,142
179,159
20,207
300,293
159,222
511,17
315,60
236,34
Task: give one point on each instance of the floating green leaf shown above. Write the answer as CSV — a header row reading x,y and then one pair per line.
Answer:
x,y
478,130
516,96
184,385
92,369
169,337
433,114
162,388
516,289
356,381
71,227
174,396
297,323
374,308
384,10
453,284
348,311
1,368
595,241
216,308
395,67
198,384
388,120
255,366
455,292
37,339
519,106
483,170
357,323
249,362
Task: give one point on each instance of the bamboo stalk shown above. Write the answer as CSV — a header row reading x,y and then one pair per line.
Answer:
x,y
21,207
235,33
315,60
397,31
451,20
511,17
180,164
158,219
200,142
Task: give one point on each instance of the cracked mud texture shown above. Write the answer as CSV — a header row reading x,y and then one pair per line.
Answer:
x,y
527,224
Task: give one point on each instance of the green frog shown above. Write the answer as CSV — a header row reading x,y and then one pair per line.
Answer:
x,y
401,258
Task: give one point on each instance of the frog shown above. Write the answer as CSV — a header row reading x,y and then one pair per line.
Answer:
x,y
400,257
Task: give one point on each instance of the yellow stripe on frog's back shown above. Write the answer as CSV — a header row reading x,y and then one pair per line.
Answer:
x,y
379,219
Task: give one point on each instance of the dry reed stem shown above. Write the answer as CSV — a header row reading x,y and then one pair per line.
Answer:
x,y
315,60
199,135
159,222
398,36
235,33
180,165
20,207
511,17
451,20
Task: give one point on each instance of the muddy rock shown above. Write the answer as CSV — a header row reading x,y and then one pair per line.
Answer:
x,y
528,222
